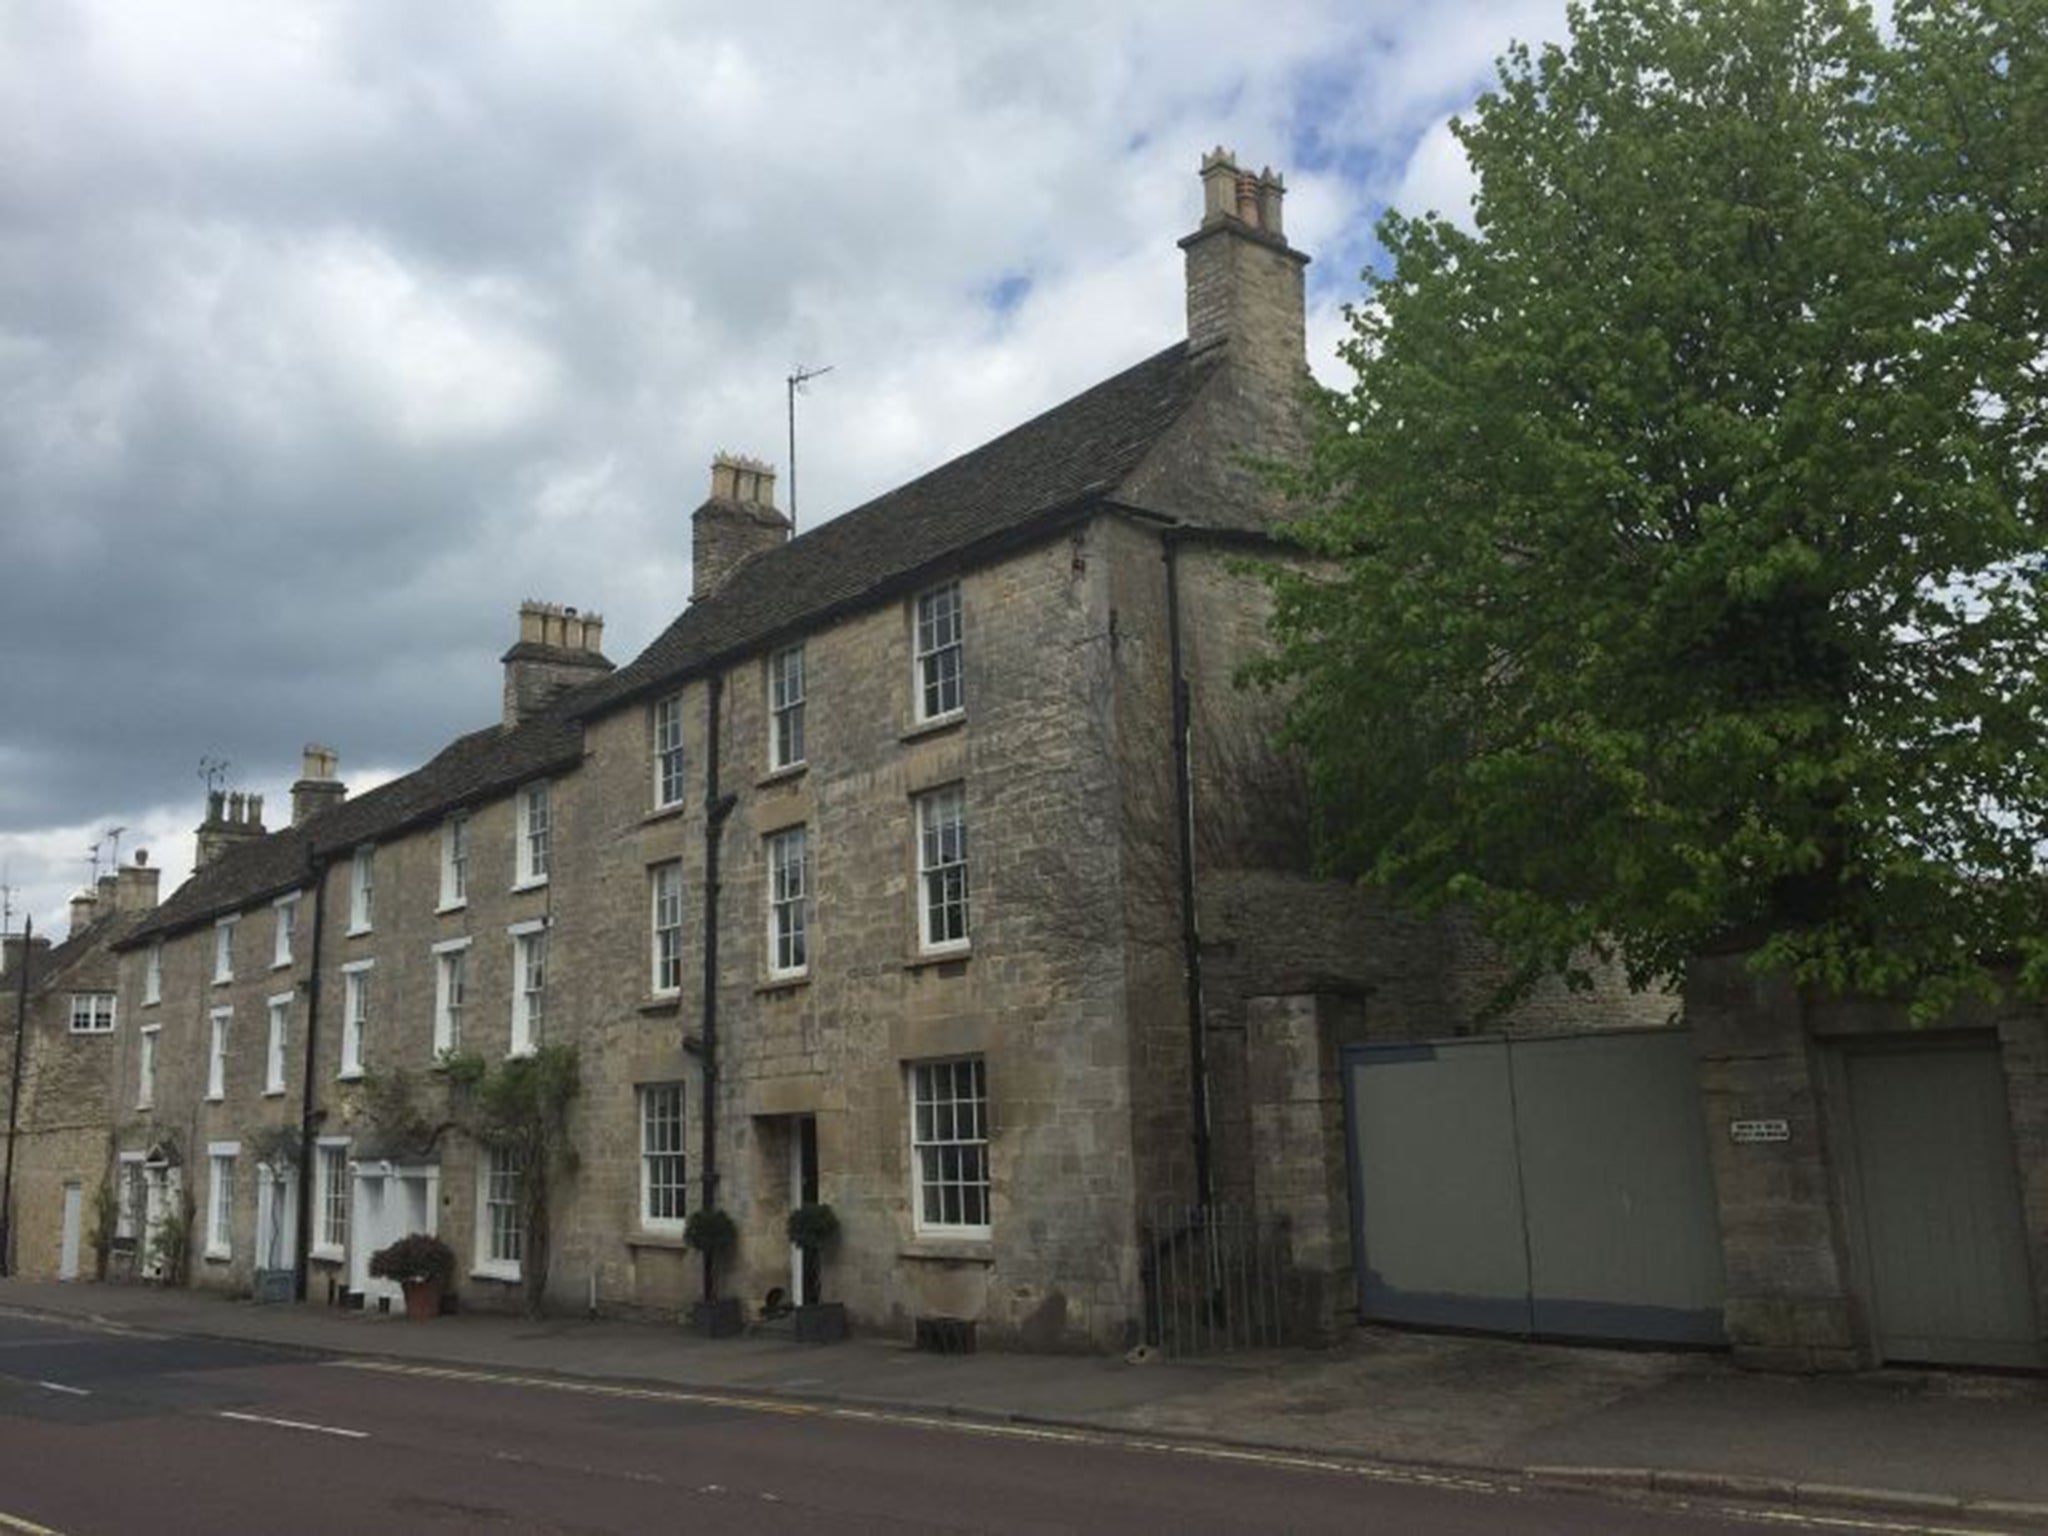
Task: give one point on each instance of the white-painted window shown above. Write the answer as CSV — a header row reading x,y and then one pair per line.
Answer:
x,y
362,891
455,861
286,909
789,902
663,1166
942,869
217,1052
535,828
224,950
949,1146
145,1067
355,1015
786,708
220,1199
330,1198
501,1227
939,683
451,994
153,976
665,883
529,986
668,751
274,1047
92,1013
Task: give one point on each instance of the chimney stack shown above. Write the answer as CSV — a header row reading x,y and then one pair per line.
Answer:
x,y
15,951
230,818
135,890
317,788
85,903
1244,279
736,523
557,648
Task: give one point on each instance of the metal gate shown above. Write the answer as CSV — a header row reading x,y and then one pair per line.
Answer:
x,y
1939,1224
1214,1278
1556,1185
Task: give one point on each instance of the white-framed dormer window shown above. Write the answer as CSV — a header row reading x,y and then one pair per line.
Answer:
x,y
535,827
949,1147
940,690
355,1014
280,1008
330,1198
455,862
663,1165
362,891
145,1066
451,994
223,950
92,1013
942,869
500,1226
153,976
220,1020
529,985
786,708
286,909
789,902
221,1157
668,751
665,884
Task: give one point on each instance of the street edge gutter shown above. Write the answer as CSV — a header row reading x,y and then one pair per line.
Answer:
x,y
1777,1490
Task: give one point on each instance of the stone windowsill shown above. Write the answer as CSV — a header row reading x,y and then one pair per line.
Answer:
x,y
349,1075
940,957
775,985
949,1250
937,726
452,906
788,775
500,1275
665,813
662,1241
273,1093
358,933
661,1007
539,883
281,965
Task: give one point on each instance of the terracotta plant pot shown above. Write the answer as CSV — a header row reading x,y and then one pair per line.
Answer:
x,y
422,1299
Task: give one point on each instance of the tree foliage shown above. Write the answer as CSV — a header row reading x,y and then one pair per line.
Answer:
x,y
1683,523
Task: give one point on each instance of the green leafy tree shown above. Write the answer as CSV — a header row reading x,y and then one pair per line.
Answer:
x,y
1682,530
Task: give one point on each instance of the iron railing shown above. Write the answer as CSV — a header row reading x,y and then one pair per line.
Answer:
x,y
1214,1278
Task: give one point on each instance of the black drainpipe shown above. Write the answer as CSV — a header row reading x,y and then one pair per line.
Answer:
x,y
309,1117
1190,931
716,808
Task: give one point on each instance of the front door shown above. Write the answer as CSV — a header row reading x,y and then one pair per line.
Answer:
x,y
803,1190
74,1216
277,1216
390,1203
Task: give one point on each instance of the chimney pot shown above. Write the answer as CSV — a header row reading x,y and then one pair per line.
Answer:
x,y
738,522
318,786
558,647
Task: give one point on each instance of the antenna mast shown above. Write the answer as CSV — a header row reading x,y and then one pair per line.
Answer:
x,y
796,381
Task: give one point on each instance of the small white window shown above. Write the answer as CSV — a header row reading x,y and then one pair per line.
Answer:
x,y
939,687
786,708
451,994
274,1047
668,751
501,1226
455,861
949,1146
789,882
287,910
224,950
529,986
534,829
145,1067
662,1163
217,1053
667,885
942,869
153,976
362,891
220,1200
355,1015
92,1013
330,1199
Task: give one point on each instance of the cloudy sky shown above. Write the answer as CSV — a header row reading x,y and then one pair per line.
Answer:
x,y
330,331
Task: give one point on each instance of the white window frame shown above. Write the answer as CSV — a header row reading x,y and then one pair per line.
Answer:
x,y
665,921
145,1066
279,1008
221,1157
330,1198
286,911
451,994
153,976
497,1188
671,768
938,674
941,1157
127,1182
664,1158
786,709
362,890
356,1003
789,902
219,1022
942,872
529,986
454,863
224,949
534,844
93,1013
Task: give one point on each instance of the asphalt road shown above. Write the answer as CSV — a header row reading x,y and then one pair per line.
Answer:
x,y
118,1432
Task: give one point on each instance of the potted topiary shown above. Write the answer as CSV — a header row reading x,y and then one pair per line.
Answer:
x,y
423,1265
712,1233
813,1229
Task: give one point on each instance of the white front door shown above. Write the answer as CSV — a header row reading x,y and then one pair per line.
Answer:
x,y
277,1217
74,1216
390,1203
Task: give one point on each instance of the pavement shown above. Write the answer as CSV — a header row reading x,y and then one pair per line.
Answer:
x,y
1910,1442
